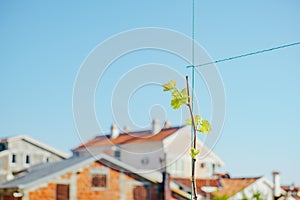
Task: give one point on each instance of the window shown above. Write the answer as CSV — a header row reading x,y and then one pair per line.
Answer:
x,y
62,192
99,181
202,165
45,159
27,160
99,177
145,161
13,158
117,154
140,192
3,146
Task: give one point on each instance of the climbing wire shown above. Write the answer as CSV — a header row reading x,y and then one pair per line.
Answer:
x,y
193,52
245,55
193,88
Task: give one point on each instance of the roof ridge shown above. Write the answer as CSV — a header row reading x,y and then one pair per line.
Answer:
x,y
244,178
130,137
140,131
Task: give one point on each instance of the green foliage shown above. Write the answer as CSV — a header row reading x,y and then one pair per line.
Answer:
x,y
201,125
169,86
204,127
180,98
194,152
197,120
258,196
223,197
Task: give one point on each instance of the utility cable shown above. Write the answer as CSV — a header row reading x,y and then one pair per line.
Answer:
x,y
245,55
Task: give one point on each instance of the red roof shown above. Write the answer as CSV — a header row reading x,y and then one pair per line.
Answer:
x,y
132,137
199,183
231,186
225,186
3,139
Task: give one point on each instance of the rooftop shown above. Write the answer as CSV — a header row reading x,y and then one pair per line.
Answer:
x,y
223,186
131,137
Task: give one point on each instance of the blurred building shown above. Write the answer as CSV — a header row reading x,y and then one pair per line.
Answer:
x,y
154,149
20,152
89,177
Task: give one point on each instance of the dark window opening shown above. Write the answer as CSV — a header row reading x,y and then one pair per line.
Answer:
x,y
140,192
145,161
3,146
117,154
62,192
13,158
27,159
202,165
99,180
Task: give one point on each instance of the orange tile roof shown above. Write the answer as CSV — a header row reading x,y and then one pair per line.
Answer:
x,y
199,183
132,137
231,186
226,186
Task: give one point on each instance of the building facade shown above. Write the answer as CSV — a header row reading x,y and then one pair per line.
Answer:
x,y
20,152
88,177
153,150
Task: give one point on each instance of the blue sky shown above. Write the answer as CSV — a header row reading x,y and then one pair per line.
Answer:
x,y
43,45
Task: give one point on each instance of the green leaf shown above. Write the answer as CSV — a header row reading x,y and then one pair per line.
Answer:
x,y
169,86
194,152
176,94
179,98
205,127
184,96
197,119
175,103
188,121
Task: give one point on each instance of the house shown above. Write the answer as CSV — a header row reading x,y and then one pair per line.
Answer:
x,y
20,152
154,149
89,177
292,192
230,188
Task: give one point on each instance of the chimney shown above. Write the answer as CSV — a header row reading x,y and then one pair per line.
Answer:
x,y
166,185
114,131
167,124
165,179
155,126
276,187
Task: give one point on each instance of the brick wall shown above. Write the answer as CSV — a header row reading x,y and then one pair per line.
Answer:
x,y
118,184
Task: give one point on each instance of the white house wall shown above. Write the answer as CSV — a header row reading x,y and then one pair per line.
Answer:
x,y
20,148
177,147
143,156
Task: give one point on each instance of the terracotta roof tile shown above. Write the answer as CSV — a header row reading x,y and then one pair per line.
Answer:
x,y
199,183
226,186
132,137
231,186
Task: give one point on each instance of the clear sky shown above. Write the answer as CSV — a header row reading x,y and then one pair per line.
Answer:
x,y
43,44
